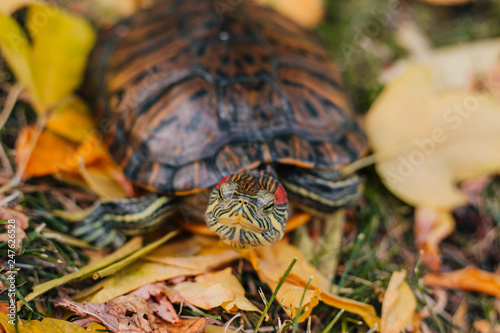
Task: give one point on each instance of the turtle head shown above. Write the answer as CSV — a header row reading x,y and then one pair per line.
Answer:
x,y
248,209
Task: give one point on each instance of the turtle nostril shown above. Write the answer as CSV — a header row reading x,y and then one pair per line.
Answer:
x,y
239,201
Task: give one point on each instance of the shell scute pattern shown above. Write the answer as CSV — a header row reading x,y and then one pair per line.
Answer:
x,y
194,96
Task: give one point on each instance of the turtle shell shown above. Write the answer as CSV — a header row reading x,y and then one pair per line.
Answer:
x,y
191,91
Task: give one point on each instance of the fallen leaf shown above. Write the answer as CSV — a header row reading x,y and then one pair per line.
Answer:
x,y
483,326
211,290
154,295
431,227
123,314
144,272
17,52
218,329
307,13
197,325
44,326
271,262
99,178
205,297
72,120
61,45
134,276
197,256
399,304
469,278
435,140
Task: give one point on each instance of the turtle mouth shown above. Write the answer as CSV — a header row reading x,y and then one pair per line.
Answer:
x,y
243,223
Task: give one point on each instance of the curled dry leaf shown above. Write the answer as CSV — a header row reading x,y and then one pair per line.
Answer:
x,y
211,290
21,225
123,314
399,304
154,295
271,263
44,326
197,325
433,140
469,278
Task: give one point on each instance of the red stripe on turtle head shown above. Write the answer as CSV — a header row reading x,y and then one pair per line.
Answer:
x,y
280,195
225,179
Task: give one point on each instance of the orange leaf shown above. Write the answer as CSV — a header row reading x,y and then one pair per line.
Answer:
x,y
431,227
470,278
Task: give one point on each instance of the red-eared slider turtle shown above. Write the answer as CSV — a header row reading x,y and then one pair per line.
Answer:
x,y
240,101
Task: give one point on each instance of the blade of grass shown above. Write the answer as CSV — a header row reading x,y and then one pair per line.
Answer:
x,y
283,278
299,312
354,253
334,321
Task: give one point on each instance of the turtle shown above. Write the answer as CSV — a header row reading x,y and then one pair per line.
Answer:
x,y
237,102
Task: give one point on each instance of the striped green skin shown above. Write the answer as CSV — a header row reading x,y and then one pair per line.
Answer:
x,y
248,209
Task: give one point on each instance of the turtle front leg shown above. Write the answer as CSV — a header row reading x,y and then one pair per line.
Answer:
x,y
109,221
320,192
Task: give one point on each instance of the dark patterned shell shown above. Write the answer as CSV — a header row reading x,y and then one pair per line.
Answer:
x,y
190,94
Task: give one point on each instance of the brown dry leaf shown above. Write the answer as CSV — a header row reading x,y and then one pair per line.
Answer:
x,y
211,290
45,326
271,262
469,278
399,304
123,314
307,13
21,225
154,295
197,325
102,179
434,140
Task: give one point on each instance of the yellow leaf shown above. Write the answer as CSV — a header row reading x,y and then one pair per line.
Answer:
x,y
134,276
100,180
271,262
211,290
205,297
209,256
95,327
143,272
17,52
72,120
434,140
307,13
61,44
217,329
469,278
399,304
44,326
7,7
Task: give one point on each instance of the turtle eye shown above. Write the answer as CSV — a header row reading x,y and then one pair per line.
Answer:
x,y
268,208
266,201
226,191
